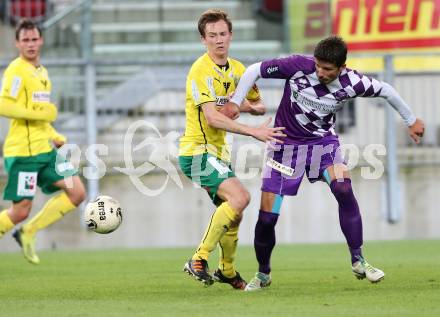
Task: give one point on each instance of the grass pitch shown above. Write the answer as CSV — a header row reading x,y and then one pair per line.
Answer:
x,y
308,280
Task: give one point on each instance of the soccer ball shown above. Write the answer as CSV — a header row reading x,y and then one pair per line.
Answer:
x,y
103,215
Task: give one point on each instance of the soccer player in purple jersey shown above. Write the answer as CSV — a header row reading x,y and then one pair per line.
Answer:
x,y
316,88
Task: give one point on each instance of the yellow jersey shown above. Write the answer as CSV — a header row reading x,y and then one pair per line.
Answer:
x,y
29,87
208,82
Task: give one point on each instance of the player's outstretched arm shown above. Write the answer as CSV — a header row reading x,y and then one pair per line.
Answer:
x,y
417,130
396,101
247,80
262,132
45,112
415,125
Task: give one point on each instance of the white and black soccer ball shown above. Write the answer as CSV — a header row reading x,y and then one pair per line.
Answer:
x,y
103,215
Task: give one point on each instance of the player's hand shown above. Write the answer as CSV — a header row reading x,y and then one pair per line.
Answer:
x,y
264,133
230,110
58,143
417,130
257,108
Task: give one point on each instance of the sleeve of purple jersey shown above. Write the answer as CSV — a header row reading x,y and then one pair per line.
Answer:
x,y
283,68
364,86
370,87
247,80
394,99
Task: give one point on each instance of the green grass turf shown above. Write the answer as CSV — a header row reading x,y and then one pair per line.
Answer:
x,y
308,280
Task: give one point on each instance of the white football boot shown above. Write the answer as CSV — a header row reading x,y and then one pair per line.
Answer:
x,y
258,282
362,269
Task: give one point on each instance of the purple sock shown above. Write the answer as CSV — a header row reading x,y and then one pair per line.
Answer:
x,y
349,216
264,240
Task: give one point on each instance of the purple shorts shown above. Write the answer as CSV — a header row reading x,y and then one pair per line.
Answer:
x,y
285,166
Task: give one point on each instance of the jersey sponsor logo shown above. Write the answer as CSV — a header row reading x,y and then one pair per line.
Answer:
x,y
221,100
27,184
15,86
272,69
280,167
41,96
304,101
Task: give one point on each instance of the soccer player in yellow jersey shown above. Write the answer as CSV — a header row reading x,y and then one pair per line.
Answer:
x,y
203,153
29,154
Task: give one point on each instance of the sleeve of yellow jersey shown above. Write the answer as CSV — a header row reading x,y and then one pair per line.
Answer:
x,y
12,87
253,94
54,135
202,86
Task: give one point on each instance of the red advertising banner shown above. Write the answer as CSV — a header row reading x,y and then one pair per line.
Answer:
x,y
371,25
366,25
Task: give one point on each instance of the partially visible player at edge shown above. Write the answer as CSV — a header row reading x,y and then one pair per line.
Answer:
x,y
29,154
203,153
315,89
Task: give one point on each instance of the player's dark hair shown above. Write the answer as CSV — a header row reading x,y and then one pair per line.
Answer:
x,y
212,16
26,24
332,50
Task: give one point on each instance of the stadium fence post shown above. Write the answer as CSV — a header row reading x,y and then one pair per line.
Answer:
x,y
392,164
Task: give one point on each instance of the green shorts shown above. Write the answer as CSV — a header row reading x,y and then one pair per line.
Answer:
x,y
207,171
27,172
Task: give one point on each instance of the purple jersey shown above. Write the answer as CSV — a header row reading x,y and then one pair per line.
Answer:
x,y
307,108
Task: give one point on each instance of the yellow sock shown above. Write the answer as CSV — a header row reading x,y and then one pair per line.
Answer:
x,y
6,223
52,211
228,248
220,223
